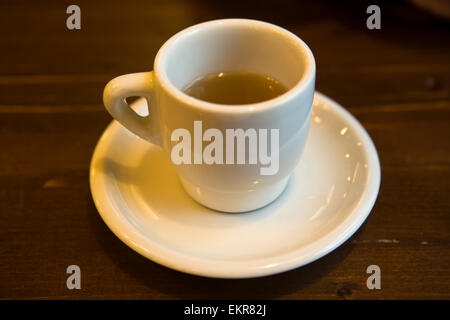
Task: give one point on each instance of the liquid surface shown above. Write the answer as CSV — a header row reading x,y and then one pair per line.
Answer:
x,y
235,88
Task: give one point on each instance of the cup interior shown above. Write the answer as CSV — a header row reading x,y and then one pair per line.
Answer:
x,y
234,45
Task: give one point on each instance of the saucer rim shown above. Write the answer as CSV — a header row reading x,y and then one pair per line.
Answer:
x,y
254,268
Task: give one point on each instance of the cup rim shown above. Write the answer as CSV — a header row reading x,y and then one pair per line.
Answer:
x,y
307,77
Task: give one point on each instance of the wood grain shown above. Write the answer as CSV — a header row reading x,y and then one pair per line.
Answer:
x,y
395,80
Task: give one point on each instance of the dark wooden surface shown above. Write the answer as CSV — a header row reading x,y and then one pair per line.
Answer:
x,y
394,80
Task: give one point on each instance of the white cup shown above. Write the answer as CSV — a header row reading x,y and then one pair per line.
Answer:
x,y
214,47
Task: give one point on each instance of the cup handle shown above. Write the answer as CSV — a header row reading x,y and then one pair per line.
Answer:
x,y
122,87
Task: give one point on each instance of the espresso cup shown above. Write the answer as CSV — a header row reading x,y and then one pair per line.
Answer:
x,y
279,127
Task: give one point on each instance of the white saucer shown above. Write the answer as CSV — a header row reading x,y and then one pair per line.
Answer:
x,y
330,194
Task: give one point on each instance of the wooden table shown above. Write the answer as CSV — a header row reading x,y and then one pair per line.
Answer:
x,y
394,80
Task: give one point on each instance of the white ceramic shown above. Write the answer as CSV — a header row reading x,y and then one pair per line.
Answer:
x,y
214,47
329,195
